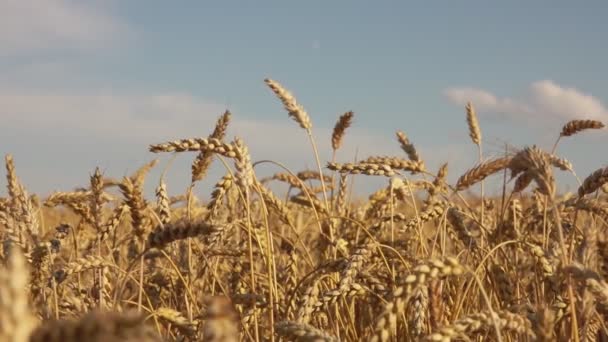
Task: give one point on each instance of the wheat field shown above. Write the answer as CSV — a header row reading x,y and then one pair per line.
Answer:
x,y
419,260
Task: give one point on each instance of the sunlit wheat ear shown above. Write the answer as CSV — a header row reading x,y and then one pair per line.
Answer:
x,y
593,182
536,162
363,168
109,225
16,321
312,202
179,230
305,175
162,202
418,311
307,302
522,181
474,131
12,180
201,164
244,168
84,264
20,207
463,227
176,320
397,163
218,195
482,322
439,183
140,174
419,276
354,264
97,200
341,197
295,110
575,126
291,180
408,147
64,198
560,163
134,198
343,123
431,211
481,172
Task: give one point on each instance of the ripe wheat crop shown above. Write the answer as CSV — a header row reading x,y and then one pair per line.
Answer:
x,y
419,260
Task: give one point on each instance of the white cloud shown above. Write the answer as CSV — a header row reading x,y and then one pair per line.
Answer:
x,y
542,100
153,118
130,117
565,102
113,131
34,25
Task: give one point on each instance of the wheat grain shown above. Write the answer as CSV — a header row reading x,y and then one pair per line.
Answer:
x,y
295,110
201,163
575,126
474,131
343,123
481,172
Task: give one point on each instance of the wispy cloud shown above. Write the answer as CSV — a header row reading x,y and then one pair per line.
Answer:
x,y
28,26
542,100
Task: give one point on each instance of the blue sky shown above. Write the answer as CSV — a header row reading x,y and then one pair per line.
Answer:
x,y
92,83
